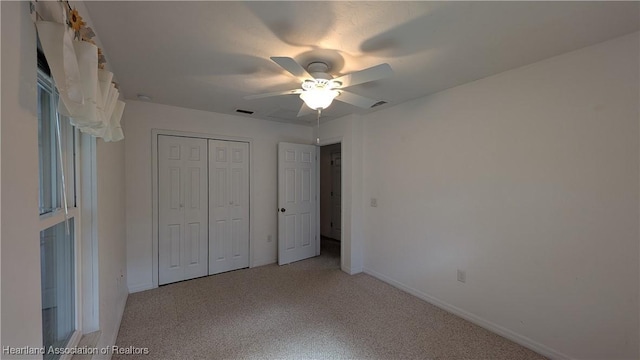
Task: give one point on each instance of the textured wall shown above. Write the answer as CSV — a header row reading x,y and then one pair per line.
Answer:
x,y
527,180
141,118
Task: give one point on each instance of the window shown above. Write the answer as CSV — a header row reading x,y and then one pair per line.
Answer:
x,y
51,163
58,219
58,290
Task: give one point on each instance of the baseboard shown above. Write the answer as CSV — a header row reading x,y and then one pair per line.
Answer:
x,y
122,306
139,287
502,331
263,262
349,270
74,342
108,340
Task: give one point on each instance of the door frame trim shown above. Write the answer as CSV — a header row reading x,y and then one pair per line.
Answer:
x,y
332,180
154,188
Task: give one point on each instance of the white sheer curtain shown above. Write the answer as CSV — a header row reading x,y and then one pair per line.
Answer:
x,y
87,93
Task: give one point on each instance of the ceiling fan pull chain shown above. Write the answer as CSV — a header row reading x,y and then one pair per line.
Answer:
x,y
318,128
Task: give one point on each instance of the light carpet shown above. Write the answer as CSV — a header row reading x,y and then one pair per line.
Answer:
x,y
306,310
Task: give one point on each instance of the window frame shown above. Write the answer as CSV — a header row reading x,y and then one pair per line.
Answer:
x,y
71,168
70,149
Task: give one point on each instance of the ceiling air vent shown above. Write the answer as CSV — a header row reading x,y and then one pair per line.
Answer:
x,y
381,102
249,112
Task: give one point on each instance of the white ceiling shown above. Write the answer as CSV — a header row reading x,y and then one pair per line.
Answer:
x,y
209,55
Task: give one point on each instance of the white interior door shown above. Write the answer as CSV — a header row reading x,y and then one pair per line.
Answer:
x,y
297,200
336,195
229,205
182,208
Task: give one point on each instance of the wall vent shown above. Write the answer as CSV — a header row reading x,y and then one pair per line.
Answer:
x,y
244,111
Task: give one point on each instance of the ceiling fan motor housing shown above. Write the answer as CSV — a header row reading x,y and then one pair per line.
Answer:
x,y
319,70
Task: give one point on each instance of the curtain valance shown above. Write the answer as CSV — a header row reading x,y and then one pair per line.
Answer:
x,y
87,94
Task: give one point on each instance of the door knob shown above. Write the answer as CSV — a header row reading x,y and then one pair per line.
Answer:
x,y
283,210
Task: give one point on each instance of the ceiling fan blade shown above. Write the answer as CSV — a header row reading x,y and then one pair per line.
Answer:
x,y
292,66
276,93
357,100
305,110
370,74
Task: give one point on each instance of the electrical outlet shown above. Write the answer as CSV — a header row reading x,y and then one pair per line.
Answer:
x,y
374,202
269,238
462,276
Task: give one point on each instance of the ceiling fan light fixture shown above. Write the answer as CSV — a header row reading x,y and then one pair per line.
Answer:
x,y
318,88
319,98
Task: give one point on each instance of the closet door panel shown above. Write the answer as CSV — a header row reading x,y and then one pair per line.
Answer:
x,y
219,206
229,205
171,213
239,207
182,220
196,214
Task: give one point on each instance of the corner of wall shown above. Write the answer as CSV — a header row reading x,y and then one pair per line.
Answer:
x,y
21,294
502,331
134,288
108,338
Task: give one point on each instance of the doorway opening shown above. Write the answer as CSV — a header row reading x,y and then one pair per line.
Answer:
x,y
330,200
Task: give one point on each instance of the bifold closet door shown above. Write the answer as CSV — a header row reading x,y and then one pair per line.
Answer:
x,y
182,208
228,206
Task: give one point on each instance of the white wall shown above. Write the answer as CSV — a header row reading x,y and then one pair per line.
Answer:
x,y
20,285
528,180
111,226
348,131
111,238
141,118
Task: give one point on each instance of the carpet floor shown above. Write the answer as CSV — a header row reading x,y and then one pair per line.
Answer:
x,y
306,310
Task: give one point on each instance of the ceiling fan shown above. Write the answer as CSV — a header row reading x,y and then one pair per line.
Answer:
x,y
319,88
